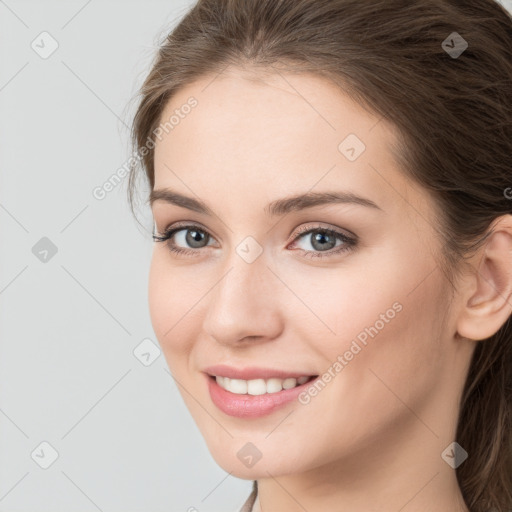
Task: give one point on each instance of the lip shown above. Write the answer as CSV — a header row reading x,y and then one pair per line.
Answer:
x,y
252,406
253,372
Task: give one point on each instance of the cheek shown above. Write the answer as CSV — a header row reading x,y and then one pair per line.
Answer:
x,y
391,304
383,326
157,297
170,301
390,356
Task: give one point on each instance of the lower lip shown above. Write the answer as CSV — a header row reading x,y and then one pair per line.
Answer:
x,y
252,406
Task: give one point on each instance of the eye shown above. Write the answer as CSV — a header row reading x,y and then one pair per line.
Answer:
x,y
318,240
187,239
189,234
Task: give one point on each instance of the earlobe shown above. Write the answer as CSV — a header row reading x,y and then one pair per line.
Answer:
x,y
488,303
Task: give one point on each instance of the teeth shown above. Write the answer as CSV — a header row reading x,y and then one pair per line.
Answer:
x,y
258,386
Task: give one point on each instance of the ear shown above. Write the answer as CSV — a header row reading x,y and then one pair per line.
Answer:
x,y
487,299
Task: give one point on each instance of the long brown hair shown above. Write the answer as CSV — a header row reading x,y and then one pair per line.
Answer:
x,y
452,106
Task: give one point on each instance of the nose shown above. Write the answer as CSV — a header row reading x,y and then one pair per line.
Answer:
x,y
245,304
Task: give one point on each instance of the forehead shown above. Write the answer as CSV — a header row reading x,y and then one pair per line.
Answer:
x,y
268,135
256,109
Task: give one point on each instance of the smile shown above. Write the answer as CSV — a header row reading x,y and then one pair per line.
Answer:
x,y
259,386
265,397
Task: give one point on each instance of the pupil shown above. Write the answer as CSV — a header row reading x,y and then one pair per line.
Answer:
x,y
195,237
321,238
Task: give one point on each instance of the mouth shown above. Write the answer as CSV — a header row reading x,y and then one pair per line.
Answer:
x,y
255,398
260,386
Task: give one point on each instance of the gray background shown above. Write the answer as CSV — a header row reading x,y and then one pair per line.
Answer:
x,y
70,321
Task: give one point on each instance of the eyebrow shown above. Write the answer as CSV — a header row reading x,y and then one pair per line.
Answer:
x,y
275,208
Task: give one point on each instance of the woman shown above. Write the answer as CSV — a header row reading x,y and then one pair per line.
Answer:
x,y
331,187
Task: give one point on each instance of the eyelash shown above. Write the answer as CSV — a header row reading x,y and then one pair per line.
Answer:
x,y
348,242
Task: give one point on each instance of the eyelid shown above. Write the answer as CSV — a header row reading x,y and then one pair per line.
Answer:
x,y
298,231
319,226
175,226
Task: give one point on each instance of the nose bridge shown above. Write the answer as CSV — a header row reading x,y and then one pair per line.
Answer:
x,y
242,302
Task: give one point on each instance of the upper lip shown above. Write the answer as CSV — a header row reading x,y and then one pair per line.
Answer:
x,y
253,372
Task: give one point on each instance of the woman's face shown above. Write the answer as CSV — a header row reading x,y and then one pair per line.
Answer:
x,y
265,287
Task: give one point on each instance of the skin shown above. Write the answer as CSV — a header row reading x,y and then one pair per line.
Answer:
x,y
372,438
